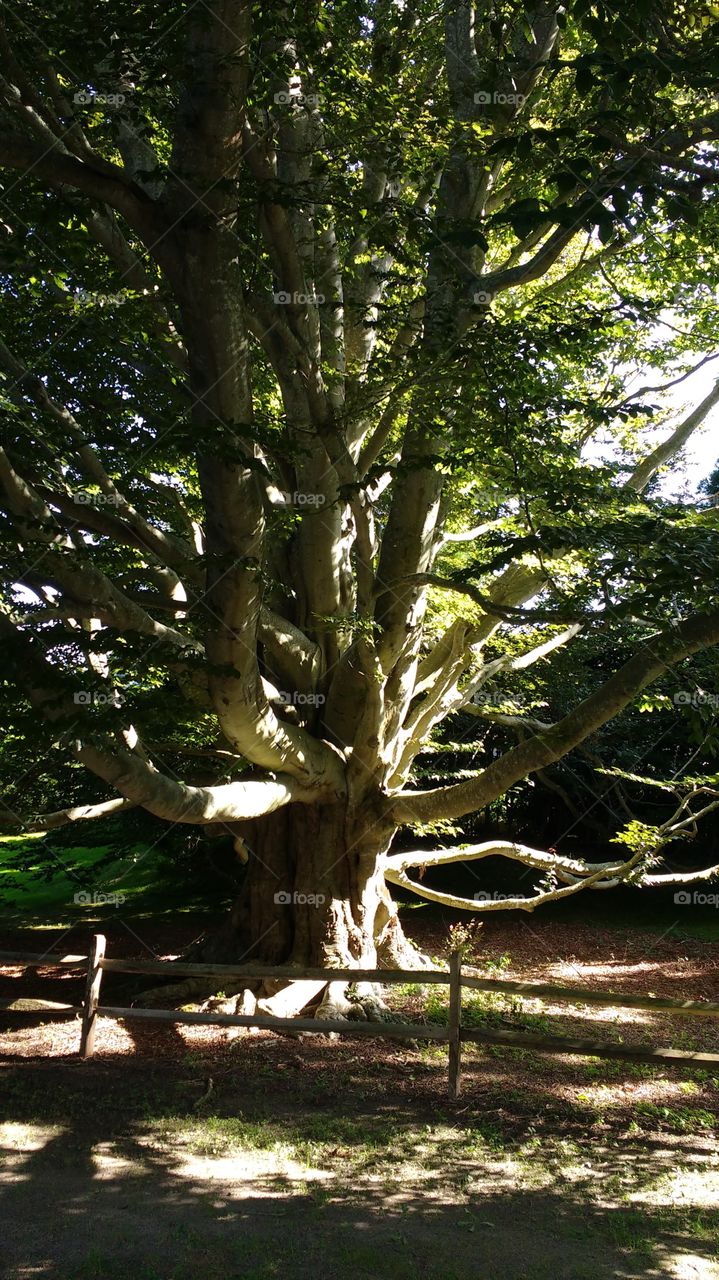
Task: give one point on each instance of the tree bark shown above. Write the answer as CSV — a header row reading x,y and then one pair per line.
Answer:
x,y
314,894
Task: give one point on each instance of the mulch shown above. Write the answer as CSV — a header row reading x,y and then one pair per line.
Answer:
x,y
511,1085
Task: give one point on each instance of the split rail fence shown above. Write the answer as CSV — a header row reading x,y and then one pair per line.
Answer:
x,y
452,1033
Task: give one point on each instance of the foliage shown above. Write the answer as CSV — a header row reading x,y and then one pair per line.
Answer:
x,y
296,300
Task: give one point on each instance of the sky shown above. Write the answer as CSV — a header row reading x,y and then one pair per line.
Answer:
x,y
701,453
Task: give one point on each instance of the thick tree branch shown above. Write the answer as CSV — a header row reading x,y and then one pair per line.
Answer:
x,y
596,879
101,180
176,801
700,631
62,817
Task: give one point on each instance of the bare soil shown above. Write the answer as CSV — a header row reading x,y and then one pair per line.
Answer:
x,y
180,1152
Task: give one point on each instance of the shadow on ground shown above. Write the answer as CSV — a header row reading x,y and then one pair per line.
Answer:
x,y
108,1173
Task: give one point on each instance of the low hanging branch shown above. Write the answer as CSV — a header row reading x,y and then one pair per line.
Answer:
x,y
63,817
606,875
576,873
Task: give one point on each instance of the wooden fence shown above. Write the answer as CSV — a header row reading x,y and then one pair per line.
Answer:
x,y
452,1033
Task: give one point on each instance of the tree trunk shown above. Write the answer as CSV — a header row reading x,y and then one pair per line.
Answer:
x,y
314,894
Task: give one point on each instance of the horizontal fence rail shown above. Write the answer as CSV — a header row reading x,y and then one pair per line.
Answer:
x,y
287,974
532,990
410,977
453,1033
585,1048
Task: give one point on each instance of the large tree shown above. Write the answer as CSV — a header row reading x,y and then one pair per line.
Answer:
x,y
321,332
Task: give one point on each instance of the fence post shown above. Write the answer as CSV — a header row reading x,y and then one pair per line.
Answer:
x,y
454,1024
92,996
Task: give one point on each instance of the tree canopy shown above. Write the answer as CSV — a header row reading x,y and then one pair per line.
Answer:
x,y
337,343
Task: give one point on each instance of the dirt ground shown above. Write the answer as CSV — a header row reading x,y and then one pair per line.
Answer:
x,y
179,1152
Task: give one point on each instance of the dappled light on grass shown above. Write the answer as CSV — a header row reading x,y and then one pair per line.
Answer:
x,y
108,1163
609,1014
15,1136
18,1143
178,1151
255,1166
657,1091
689,1183
691,1267
609,969
41,886
295,1191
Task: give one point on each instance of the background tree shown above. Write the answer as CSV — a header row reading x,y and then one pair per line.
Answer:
x,y
320,328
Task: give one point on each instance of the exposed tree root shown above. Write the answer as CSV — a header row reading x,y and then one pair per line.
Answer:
x,y
369,997
395,951
192,990
290,997
335,1005
325,1001
287,1000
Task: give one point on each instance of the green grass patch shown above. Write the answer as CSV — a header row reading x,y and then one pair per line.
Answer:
x,y
678,1119
479,1008
41,884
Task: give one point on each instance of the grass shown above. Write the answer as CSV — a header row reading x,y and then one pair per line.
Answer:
x,y
639,909
678,1119
352,1173
479,1008
39,884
